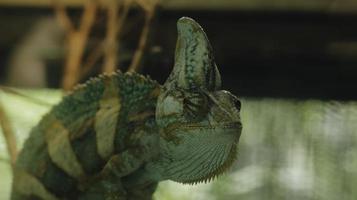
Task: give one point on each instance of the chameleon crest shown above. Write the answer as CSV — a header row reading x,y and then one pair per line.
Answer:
x,y
118,135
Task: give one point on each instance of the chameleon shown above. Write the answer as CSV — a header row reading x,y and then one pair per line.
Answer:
x,y
118,135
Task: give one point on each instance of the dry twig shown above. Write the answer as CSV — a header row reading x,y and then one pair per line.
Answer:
x,y
9,135
76,41
149,8
28,98
92,58
111,46
114,27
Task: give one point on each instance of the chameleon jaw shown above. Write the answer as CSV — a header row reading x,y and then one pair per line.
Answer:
x,y
219,170
226,153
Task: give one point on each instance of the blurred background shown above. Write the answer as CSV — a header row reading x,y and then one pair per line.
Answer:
x,y
293,63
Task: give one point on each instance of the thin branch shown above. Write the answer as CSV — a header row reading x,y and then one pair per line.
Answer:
x,y
97,52
29,98
126,7
111,46
8,135
114,29
88,16
63,17
76,43
148,5
92,58
135,64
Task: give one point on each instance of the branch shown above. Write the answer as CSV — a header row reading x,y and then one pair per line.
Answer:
x,y
114,29
28,98
88,17
63,17
76,43
92,58
134,66
8,135
111,45
147,5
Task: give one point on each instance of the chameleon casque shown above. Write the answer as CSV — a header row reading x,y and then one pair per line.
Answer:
x,y
118,135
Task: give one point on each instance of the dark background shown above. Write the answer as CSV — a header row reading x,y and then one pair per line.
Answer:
x,y
290,54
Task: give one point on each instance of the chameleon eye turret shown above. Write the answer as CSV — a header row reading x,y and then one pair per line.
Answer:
x,y
118,135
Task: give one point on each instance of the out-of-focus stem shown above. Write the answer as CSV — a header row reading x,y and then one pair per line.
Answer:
x,y
135,63
76,41
9,135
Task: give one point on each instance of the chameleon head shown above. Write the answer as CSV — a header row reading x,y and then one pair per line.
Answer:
x,y
199,123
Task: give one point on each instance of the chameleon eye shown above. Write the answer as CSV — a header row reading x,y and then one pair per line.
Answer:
x,y
195,106
234,99
237,104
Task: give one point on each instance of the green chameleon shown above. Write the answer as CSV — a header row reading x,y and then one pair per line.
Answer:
x,y
118,135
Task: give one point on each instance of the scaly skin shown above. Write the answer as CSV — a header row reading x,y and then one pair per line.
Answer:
x,y
118,135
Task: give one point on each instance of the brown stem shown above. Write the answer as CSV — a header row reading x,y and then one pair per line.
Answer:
x,y
111,46
134,66
76,42
88,17
92,58
28,98
8,135
63,17
114,28
97,52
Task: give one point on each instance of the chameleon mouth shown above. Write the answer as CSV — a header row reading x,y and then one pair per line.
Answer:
x,y
233,125
213,161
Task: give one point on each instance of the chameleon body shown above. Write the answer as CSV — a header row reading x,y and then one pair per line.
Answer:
x,y
118,135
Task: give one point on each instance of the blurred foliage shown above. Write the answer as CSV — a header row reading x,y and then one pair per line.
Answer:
x,y
289,149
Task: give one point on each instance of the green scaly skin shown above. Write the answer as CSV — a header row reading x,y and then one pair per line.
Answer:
x,y
118,135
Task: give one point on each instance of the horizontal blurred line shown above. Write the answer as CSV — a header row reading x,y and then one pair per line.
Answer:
x,y
272,5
